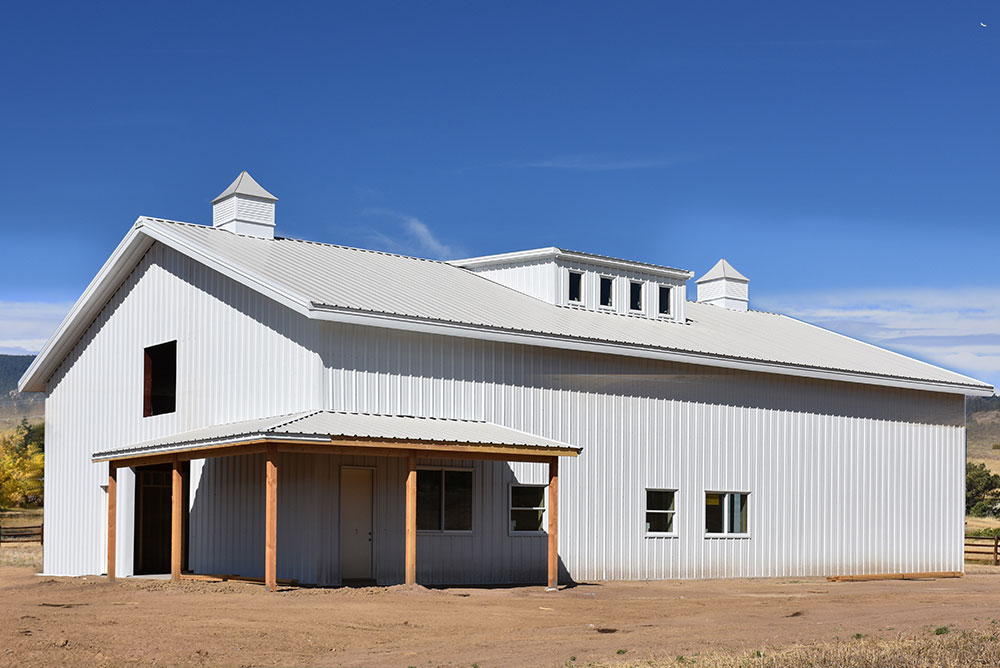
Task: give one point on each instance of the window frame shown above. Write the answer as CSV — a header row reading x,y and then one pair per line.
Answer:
x,y
569,287
148,381
659,300
510,508
642,305
726,500
611,292
660,534
472,503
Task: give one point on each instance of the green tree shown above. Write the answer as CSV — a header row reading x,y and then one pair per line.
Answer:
x,y
22,467
981,489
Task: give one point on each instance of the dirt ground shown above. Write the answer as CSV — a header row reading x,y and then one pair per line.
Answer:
x,y
88,621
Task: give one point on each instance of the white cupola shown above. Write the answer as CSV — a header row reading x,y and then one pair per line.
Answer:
x,y
724,286
245,208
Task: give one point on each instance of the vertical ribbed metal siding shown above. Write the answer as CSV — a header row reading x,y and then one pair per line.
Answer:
x,y
230,367
843,478
539,278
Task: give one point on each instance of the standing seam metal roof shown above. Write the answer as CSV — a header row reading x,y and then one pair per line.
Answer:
x,y
326,425
352,279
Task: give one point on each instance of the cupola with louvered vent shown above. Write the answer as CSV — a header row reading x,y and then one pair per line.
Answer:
x,y
245,208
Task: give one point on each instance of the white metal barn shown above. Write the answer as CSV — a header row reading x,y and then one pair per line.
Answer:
x,y
221,400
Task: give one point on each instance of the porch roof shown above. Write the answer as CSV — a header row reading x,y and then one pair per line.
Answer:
x,y
335,432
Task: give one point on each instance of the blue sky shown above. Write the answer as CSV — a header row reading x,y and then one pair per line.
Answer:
x,y
843,156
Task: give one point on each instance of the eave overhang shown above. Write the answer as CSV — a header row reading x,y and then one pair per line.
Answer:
x,y
146,230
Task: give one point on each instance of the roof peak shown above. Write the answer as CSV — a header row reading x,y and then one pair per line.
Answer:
x,y
723,269
244,184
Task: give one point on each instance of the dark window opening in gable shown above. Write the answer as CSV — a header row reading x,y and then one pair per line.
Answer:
x,y
575,286
160,379
635,296
606,284
664,300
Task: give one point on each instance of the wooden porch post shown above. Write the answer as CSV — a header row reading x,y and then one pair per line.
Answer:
x,y
271,521
176,515
112,518
553,523
411,519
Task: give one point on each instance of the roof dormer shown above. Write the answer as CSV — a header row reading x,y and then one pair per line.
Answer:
x,y
590,282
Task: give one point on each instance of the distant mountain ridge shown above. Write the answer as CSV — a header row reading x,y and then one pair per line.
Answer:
x,y
14,405
12,367
982,430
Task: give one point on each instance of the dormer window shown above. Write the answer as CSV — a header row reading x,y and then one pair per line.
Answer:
x,y
664,306
635,296
606,290
593,282
575,286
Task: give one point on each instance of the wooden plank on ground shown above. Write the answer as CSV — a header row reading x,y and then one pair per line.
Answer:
x,y
199,577
895,576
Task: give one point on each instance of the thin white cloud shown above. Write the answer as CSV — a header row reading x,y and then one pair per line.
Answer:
x,y
26,326
411,236
589,163
958,329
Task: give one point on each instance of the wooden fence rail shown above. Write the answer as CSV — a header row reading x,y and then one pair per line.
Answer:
x,y
22,534
984,548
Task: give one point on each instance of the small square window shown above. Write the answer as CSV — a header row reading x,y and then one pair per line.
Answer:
x,y
660,511
664,306
444,500
527,508
606,285
159,386
575,286
635,296
726,513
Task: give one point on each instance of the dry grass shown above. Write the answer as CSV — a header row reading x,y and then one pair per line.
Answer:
x,y
22,555
936,648
27,555
19,517
976,523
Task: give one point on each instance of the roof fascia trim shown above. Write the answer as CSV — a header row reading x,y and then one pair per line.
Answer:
x,y
179,447
184,446
553,253
101,287
122,261
548,341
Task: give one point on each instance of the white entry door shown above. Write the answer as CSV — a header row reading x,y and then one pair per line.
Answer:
x,y
356,527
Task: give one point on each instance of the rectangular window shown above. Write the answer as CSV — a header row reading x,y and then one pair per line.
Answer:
x,y
575,286
660,511
606,285
726,513
635,296
159,386
444,500
664,306
527,508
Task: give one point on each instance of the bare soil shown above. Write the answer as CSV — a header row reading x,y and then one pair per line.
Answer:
x,y
89,621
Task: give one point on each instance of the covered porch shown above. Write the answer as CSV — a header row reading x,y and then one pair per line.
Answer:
x,y
410,441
